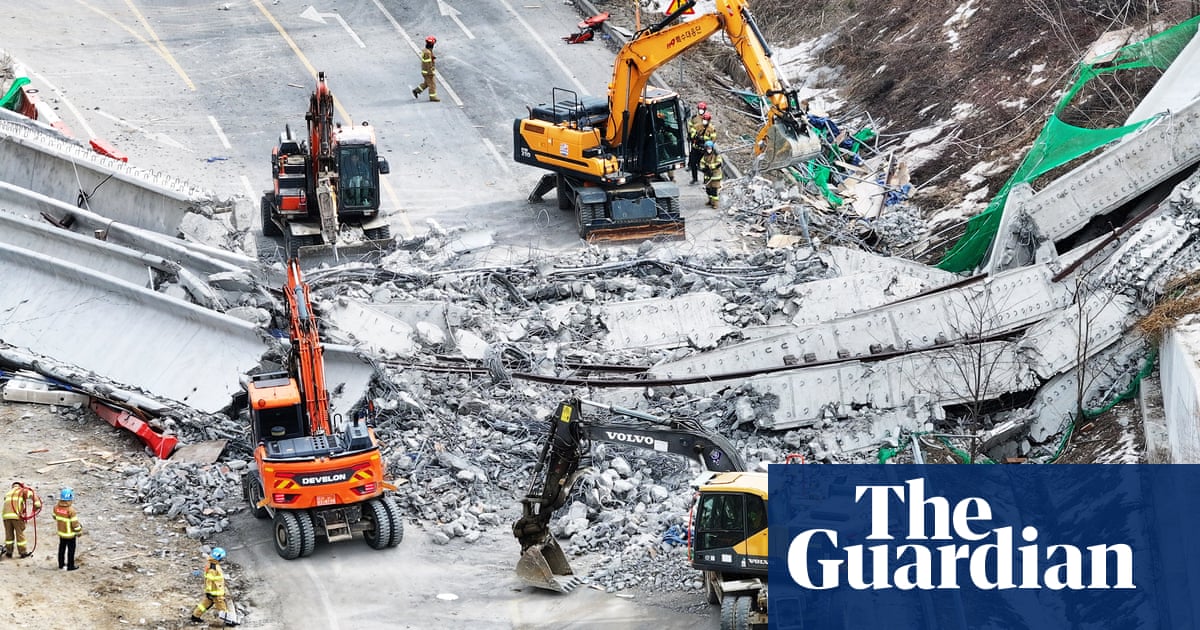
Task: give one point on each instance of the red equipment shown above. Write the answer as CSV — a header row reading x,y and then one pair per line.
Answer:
x,y
587,29
160,445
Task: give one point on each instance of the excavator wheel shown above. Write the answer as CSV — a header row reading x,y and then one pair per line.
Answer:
x,y
269,228
668,208
252,490
588,212
379,532
288,537
397,520
735,612
308,534
293,243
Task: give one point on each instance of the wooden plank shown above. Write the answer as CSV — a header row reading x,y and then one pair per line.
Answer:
x,y
200,452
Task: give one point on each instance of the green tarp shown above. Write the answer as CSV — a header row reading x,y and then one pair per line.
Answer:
x,y
1059,142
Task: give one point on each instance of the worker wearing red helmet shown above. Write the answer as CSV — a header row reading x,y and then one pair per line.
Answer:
x,y
700,130
427,71
21,504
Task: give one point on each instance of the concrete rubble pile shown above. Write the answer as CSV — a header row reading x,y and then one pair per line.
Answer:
x,y
777,213
464,445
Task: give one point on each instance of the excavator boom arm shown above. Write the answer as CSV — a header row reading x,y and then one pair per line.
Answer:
x,y
653,47
306,351
557,470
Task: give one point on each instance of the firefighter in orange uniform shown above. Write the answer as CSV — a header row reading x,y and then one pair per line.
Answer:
x,y
428,61
214,589
66,519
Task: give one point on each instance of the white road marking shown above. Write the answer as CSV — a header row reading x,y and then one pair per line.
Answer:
x,y
541,42
446,10
220,134
251,194
63,98
311,13
161,138
499,158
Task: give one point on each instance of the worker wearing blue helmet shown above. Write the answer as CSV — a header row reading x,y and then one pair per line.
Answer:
x,y
66,520
214,589
713,168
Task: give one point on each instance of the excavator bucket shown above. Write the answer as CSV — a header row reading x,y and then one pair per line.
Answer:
x,y
368,251
545,566
786,145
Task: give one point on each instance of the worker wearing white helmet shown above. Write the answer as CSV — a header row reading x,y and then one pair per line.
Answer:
x,y
428,61
66,521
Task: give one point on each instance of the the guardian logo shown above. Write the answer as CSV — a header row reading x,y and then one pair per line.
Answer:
x,y
939,545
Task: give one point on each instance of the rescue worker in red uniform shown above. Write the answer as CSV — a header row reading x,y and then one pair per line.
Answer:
x,y
67,522
214,589
428,60
20,504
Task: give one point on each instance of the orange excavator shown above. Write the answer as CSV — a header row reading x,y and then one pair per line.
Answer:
x,y
321,184
316,475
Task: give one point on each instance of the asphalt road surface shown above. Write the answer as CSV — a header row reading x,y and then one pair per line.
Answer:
x,y
202,90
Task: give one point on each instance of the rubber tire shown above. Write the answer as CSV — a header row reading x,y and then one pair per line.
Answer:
x,y
741,612
378,234
379,534
566,201
308,534
292,244
728,603
585,214
397,520
288,537
252,490
668,208
269,228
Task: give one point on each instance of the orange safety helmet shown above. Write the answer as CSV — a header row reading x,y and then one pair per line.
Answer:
x,y
431,40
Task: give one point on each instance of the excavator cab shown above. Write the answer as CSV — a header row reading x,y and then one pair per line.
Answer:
x,y
359,166
657,139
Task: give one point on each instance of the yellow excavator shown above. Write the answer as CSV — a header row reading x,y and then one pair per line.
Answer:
x,y
610,160
727,534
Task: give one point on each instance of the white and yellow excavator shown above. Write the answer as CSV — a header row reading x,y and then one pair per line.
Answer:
x,y
610,159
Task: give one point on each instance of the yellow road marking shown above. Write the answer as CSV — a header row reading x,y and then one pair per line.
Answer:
x,y
156,45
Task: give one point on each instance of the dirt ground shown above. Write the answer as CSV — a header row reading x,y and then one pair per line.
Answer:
x,y
135,570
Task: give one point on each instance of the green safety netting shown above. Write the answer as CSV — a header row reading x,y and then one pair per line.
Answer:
x,y
13,96
1059,142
